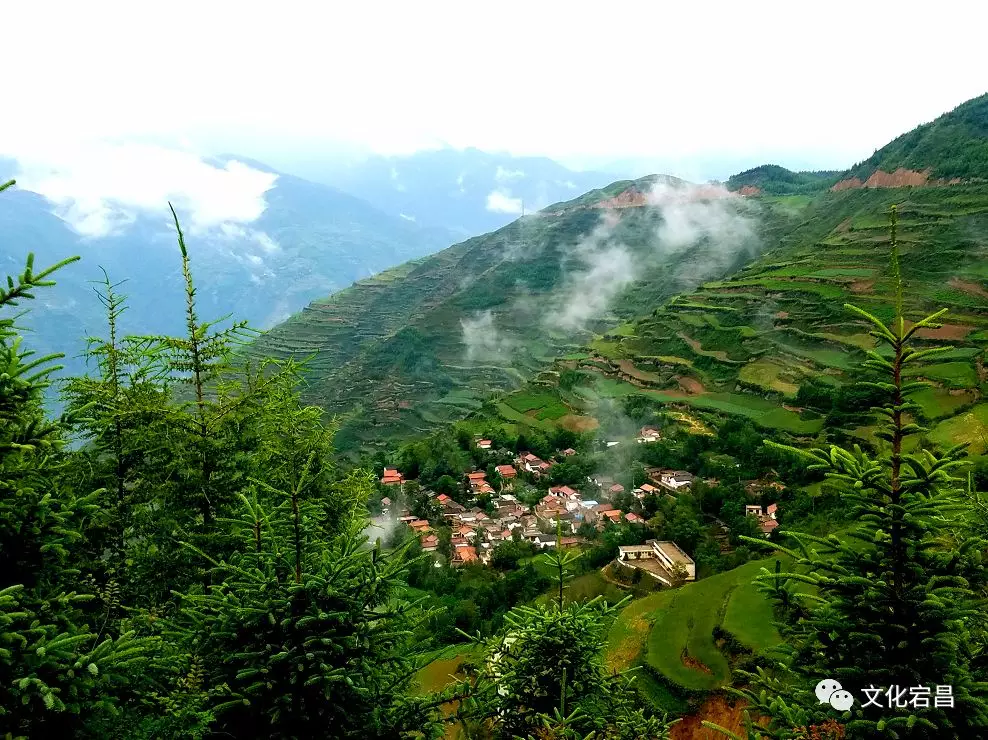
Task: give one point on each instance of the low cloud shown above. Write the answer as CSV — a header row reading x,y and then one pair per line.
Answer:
x,y
502,175
482,339
100,188
695,213
500,201
602,270
600,267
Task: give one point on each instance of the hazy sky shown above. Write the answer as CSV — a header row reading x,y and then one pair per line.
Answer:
x,y
820,84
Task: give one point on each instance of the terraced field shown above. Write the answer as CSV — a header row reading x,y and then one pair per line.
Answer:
x,y
674,632
425,343
743,346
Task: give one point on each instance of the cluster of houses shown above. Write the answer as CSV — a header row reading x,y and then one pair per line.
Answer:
x,y
767,516
476,532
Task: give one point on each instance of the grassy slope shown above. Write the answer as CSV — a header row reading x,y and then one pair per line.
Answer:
x,y
953,145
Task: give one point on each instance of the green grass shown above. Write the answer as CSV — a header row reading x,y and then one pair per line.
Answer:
x,y
512,415
750,619
769,375
440,671
762,411
823,290
685,626
629,632
954,374
938,403
970,427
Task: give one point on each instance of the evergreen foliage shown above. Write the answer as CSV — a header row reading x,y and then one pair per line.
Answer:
x,y
62,661
899,601
196,564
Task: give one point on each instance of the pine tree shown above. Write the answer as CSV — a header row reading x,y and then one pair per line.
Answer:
x,y
198,443
542,676
304,623
61,667
892,603
111,412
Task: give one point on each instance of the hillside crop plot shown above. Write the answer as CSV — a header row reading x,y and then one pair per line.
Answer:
x,y
673,630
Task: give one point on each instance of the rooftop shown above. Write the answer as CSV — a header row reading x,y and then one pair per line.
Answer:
x,y
672,551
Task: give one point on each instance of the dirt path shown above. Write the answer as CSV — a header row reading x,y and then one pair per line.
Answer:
x,y
698,348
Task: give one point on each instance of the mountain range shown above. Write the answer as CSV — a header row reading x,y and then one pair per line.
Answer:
x,y
309,240
301,241
717,301
467,191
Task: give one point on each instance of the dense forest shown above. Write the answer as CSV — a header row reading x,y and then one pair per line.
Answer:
x,y
184,557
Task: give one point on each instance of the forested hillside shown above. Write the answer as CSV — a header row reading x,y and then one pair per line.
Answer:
x,y
955,145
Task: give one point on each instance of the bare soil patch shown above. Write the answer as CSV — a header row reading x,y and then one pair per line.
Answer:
x,y
862,286
728,713
947,331
574,423
691,385
968,287
690,662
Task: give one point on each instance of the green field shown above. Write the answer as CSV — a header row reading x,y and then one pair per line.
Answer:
x,y
970,427
673,630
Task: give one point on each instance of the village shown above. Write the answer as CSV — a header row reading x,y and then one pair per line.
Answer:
x,y
561,518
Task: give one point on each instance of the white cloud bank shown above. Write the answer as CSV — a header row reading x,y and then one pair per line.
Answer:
x,y
99,188
500,201
503,174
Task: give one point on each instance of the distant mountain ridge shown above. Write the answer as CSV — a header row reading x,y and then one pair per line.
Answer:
x,y
772,179
310,240
467,191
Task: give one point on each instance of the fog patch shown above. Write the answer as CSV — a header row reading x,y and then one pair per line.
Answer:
x,y
483,340
500,201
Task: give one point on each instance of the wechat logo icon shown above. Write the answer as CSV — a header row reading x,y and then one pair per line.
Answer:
x,y
829,691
